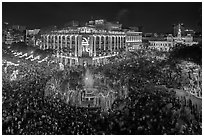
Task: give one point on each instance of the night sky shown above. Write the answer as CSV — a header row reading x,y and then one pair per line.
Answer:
x,y
154,17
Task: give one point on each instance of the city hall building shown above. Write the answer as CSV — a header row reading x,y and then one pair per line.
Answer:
x,y
171,41
91,44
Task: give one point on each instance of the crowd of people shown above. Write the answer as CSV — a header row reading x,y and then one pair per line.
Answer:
x,y
192,78
149,107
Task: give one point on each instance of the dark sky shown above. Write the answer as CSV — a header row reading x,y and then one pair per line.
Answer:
x,y
155,17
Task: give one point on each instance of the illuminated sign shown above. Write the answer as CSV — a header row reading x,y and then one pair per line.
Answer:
x,y
85,41
85,44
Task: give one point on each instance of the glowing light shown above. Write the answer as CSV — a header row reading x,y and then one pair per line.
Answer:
x,y
89,81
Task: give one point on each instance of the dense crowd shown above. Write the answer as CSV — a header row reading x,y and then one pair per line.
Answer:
x,y
148,109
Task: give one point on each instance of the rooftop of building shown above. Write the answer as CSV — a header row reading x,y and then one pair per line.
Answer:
x,y
99,25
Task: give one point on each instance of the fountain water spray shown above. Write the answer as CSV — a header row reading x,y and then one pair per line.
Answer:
x,y
88,79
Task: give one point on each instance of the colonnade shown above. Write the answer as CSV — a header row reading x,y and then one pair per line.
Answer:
x,y
96,42
134,38
98,45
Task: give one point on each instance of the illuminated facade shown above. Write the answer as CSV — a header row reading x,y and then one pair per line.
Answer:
x,y
161,45
88,45
171,41
133,40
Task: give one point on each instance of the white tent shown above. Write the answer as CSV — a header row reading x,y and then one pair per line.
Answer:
x,y
37,57
11,63
23,55
20,53
15,55
31,56
45,59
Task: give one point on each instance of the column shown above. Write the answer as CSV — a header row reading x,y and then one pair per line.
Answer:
x,y
117,42
110,39
124,42
57,43
54,42
120,41
47,41
94,46
61,42
114,43
79,45
45,46
75,46
91,46
43,43
104,43
66,41
70,40
126,47
50,43
99,43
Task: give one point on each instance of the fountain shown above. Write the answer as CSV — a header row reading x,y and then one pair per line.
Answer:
x,y
88,79
95,93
